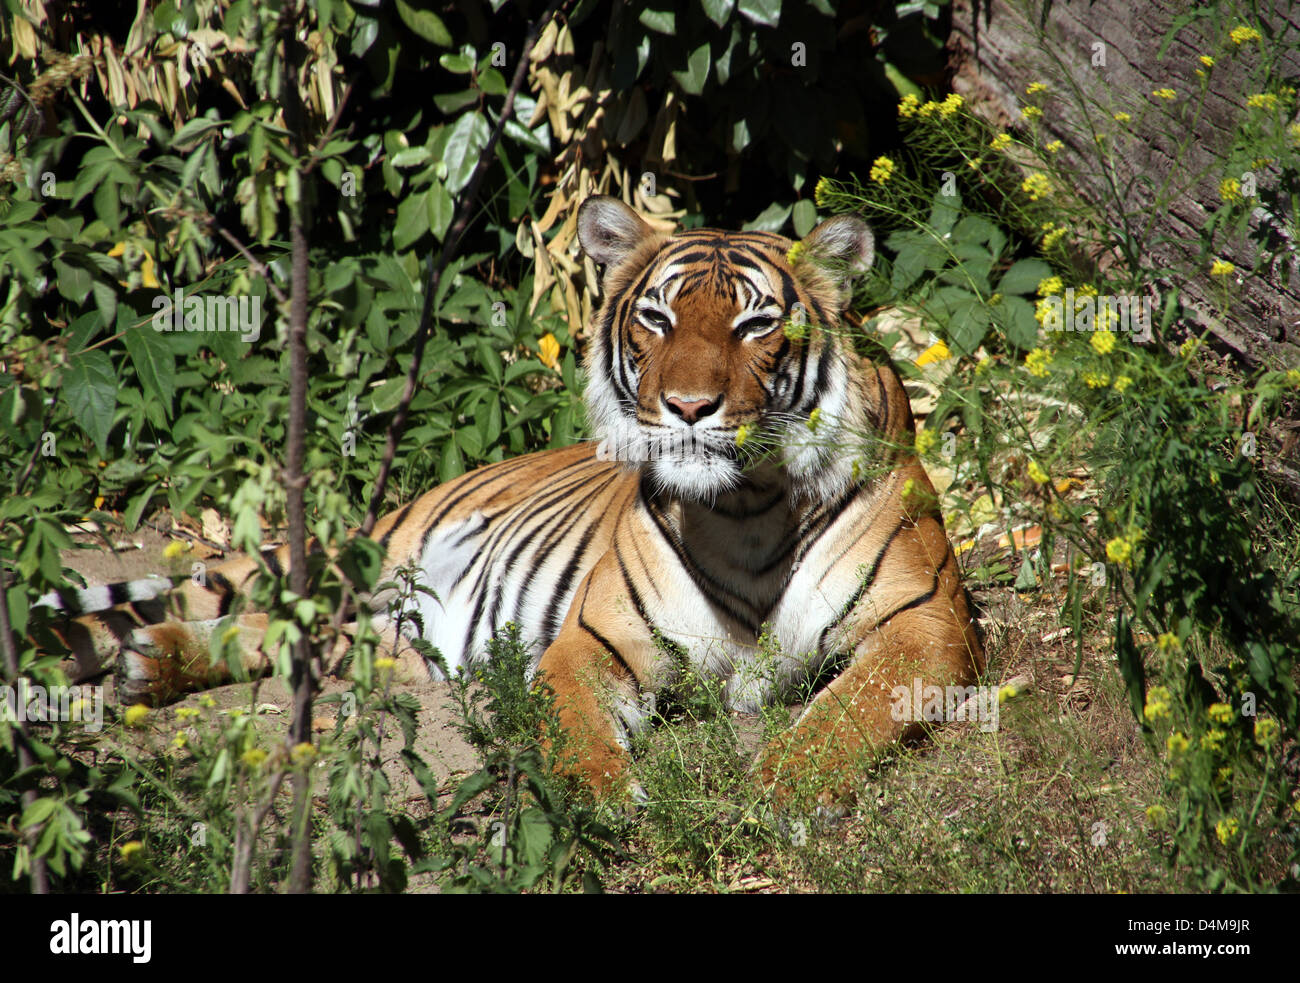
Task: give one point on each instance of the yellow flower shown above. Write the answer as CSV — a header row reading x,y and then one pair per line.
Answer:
x,y
1036,186
1119,550
925,441
1293,131
1102,342
1122,118
548,350
907,106
1262,100
1031,112
1221,713
253,757
1213,739
1008,692
1226,830
950,105
207,702
1035,87
1165,94
180,740
937,352
1036,362
1189,346
928,109
1230,189
794,253
173,549
1122,383
1096,380
302,754
1207,61
1000,142
821,193
1243,34
1266,731
742,434
1054,235
1221,267
814,418
1168,642
1157,814
230,634
129,851
882,170
186,713
1223,776
995,299
135,716
1158,700
1293,377
1050,285
384,663
1177,742
1037,474
1054,147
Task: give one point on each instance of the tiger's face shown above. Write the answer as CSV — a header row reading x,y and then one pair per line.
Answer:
x,y
705,338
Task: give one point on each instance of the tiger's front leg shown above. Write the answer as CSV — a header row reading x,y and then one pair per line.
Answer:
x,y
931,640
597,666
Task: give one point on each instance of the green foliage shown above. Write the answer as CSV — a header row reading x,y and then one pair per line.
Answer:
x,y
1176,536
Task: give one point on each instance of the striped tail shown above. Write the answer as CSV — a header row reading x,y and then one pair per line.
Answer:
x,y
75,601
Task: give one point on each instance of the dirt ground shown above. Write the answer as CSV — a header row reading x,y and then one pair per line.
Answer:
x,y
438,742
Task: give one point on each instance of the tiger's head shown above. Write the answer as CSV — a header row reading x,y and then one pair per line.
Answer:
x,y
706,337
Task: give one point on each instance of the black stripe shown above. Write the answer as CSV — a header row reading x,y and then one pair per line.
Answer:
x,y
609,647
272,562
219,581
397,524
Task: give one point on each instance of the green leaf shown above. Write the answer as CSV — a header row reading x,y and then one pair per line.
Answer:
x,y
697,71
943,212
425,23
771,219
765,13
440,207
464,144
718,11
38,812
805,217
412,221
153,359
90,389
459,63
73,281
1025,579
1024,277
659,21
1016,316
967,325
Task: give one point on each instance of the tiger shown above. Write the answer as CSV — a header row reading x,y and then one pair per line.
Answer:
x,y
752,480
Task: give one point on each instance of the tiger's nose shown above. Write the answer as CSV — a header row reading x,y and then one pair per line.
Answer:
x,y
692,410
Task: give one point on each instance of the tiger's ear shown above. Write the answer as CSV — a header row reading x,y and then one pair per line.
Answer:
x,y
843,246
609,230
